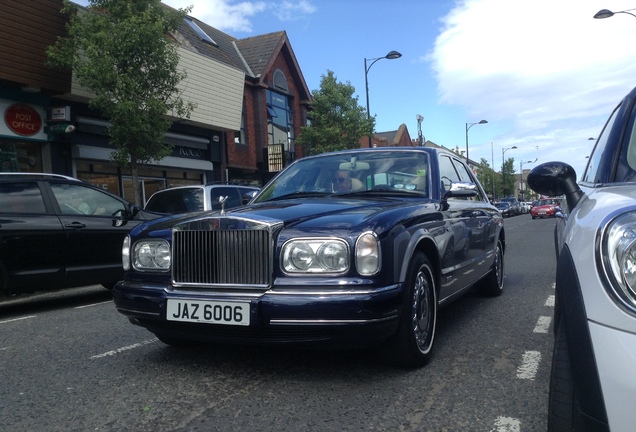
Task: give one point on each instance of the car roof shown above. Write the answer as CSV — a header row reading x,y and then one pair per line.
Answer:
x,y
20,175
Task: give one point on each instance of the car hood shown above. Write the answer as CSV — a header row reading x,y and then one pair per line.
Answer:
x,y
319,213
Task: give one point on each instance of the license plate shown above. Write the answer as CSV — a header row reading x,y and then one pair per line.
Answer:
x,y
541,211
211,312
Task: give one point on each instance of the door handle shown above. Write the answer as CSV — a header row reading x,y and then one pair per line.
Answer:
x,y
75,225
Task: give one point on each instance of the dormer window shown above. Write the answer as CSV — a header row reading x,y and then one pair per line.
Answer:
x,y
203,35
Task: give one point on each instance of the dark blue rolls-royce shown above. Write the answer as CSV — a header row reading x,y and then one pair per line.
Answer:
x,y
341,249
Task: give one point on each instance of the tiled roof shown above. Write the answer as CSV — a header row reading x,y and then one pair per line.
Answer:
x,y
250,55
258,50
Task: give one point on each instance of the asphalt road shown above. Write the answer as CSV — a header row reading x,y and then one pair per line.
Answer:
x,y
70,362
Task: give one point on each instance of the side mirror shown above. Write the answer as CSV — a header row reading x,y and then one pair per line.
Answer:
x,y
554,179
461,190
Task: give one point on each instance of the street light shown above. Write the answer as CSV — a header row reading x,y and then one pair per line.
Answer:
x,y
392,55
468,126
503,174
604,13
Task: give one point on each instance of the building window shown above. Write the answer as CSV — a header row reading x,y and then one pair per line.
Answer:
x,y
203,35
280,122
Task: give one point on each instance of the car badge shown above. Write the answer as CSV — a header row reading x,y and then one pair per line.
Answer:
x,y
222,200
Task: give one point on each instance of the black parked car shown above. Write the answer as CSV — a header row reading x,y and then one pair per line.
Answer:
x,y
339,249
504,208
515,205
59,232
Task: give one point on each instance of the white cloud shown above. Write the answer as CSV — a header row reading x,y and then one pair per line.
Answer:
x,y
547,68
222,14
227,15
289,10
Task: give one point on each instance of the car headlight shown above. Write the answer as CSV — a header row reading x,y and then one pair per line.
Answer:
x,y
368,254
619,252
151,254
326,255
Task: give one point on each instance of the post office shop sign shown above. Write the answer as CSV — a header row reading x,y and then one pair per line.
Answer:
x,y
22,120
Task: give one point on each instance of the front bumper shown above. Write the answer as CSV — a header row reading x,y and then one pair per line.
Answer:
x,y
307,316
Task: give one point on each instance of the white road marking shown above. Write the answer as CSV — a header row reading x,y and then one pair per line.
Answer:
x,y
17,319
550,301
126,348
529,365
91,305
543,324
507,424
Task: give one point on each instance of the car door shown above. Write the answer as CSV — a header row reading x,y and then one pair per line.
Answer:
x,y
95,225
480,216
32,239
457,275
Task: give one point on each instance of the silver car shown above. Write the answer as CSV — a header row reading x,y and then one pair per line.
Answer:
x,y
593,379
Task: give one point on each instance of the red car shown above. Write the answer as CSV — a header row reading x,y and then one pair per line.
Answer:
x,y
545,208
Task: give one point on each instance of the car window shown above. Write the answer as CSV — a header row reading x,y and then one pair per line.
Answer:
x,y
21,198
232,194
178,200
398,173
448,173
79,199
593,166
468,177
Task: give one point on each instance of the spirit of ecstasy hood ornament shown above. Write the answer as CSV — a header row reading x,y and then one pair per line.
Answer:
x,y
222,200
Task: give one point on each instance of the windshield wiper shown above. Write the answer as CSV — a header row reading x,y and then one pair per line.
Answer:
x,y
299,194
386,192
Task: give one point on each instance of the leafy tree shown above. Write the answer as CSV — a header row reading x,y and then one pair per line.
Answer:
x,y
122,52
337,121
488,178
508,177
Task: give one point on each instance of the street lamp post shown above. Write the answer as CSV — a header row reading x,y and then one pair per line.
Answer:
x,y
468,126
503,174
392,55
604,13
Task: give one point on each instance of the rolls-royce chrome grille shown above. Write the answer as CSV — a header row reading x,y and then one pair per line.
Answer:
x,y
222,258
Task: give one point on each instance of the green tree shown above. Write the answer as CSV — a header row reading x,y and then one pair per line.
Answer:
x,y
488,178
121,51
337,121
508,177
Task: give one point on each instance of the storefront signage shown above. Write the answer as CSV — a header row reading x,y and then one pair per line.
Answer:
x,y
23,120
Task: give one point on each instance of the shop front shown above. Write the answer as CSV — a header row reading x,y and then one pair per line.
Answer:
x,y
191,162
22,137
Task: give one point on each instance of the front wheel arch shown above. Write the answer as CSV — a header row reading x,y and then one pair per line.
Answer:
x,y
412,343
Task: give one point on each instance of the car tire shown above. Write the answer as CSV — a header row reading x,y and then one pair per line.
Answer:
x,y
561,400
412,344
492,284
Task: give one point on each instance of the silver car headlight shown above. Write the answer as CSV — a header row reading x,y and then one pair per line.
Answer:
x,y
151,254
619,252
368,254
315,255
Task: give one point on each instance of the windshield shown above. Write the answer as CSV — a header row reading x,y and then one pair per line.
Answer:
x,y
544,202
389,172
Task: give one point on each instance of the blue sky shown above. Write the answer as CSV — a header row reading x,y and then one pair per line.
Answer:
x,y
543,73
